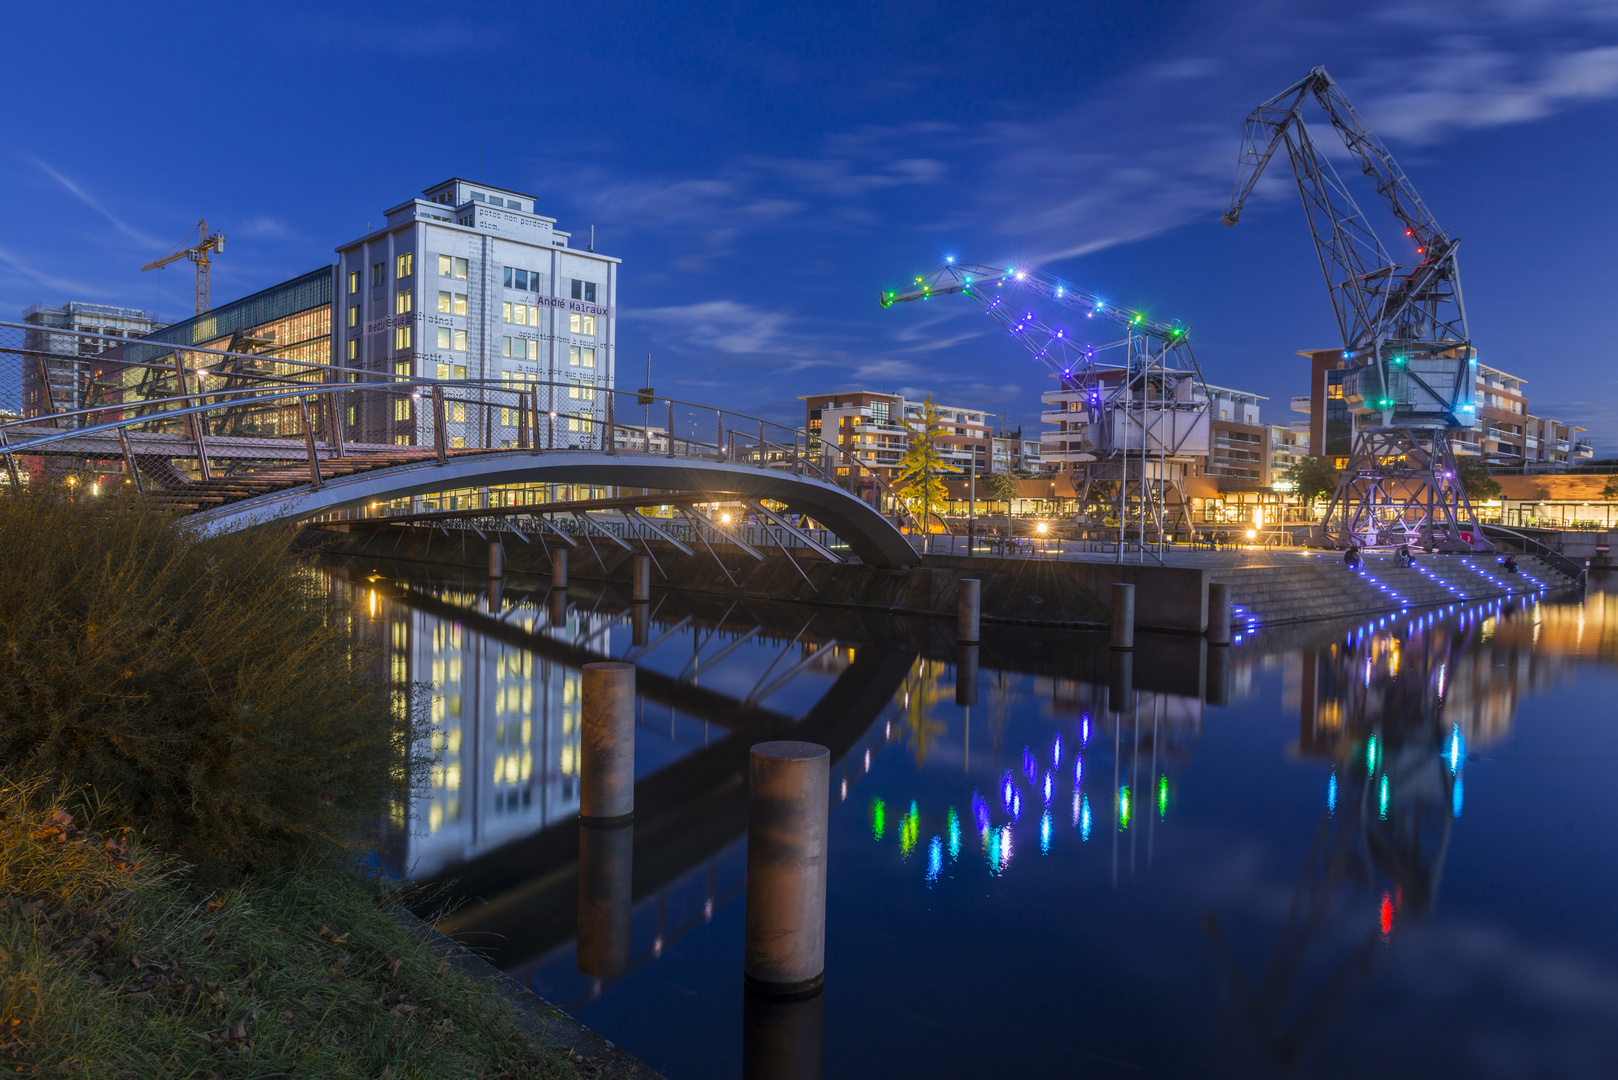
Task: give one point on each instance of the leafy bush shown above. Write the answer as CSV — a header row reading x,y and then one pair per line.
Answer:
x,y
204,691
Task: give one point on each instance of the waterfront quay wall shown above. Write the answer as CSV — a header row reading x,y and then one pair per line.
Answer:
x,y
1027,591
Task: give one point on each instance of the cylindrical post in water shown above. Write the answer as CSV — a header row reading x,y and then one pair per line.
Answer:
x,y
1218,613
782,1040
1121,686
968,607
606,862
640,624
1217,691
641,574
607,744
559,568
785,949
497,559
966,674
1123,615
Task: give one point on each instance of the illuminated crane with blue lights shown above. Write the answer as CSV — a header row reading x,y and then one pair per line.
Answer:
x,y
1409,368
1135,410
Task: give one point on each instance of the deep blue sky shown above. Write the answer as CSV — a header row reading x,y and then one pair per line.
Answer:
x,y
764,170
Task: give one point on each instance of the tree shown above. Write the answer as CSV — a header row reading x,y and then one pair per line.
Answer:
x,y
1001,487
1611,490
1312,477
1476,481
921,468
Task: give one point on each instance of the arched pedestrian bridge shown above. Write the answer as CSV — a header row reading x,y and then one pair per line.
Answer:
x,y
218,438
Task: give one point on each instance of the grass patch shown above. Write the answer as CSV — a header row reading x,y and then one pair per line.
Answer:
x,y
111,968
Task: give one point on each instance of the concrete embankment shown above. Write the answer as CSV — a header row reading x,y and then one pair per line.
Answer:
x,y
1028,591
1267,587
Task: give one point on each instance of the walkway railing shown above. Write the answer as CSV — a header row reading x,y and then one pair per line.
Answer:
x,y
178,417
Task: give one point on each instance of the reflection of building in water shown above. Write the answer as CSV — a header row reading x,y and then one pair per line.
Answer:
x,y
1469,674
505,733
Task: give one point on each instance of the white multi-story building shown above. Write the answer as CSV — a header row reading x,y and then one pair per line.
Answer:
x,y
471,282
55,379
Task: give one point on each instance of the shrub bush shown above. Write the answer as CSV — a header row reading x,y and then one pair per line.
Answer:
x,y
204,690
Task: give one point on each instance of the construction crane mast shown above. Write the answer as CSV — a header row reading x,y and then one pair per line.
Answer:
x,y
1409,367
207,244
1138,406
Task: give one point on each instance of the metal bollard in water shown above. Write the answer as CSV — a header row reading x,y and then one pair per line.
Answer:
x,y
1218,614
968,607
641,575
607,744
640,624
785,947
559,568
497,559
1123,615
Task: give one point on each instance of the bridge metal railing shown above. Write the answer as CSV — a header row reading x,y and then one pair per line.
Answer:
x,y
186,419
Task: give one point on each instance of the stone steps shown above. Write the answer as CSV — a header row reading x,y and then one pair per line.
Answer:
x,y
1323,588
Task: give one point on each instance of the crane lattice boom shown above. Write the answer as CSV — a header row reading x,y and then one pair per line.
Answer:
x,y
207,244
1404,331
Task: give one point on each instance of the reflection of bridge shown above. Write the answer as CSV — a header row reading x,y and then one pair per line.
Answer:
x,y
235,451
685,812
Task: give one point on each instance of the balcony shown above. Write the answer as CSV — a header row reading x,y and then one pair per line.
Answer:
x,y
1301,404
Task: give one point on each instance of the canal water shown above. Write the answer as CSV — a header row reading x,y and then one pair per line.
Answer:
x,y
1376,849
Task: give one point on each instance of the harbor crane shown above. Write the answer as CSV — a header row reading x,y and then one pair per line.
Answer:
x,y
1134,410
1409,369
207,244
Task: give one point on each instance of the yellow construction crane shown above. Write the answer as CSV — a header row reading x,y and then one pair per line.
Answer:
x,y
207,243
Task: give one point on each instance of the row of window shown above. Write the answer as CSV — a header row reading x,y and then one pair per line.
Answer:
x,y
579,356
529,315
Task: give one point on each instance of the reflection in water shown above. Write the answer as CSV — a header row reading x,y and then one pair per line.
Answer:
x,y
1067,767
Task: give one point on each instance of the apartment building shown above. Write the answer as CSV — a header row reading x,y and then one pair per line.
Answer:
x,y
876,428
63,380
470,281
1503,432
1551,444
1238,441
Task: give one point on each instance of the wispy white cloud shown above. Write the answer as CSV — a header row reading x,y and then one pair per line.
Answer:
x,y
50,281
78,192
266,228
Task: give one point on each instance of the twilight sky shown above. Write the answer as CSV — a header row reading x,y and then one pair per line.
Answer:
x,y
763,170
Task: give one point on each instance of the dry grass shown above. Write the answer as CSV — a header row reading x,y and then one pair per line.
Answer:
x,y
204,692
110,968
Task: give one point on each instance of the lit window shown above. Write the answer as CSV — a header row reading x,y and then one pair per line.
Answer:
x,y
459,342
505,312
444,371
402,369
404,265
379,274
443,338
353,348
457,441
584,290
401,440
533,350
505,346
401,408
401,337
581,356
353,314
444,301
460,303
401,301
450,266
457,411
582,324
353,282
520,315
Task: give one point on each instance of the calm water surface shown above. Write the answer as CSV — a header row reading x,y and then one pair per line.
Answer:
x,y
1388,851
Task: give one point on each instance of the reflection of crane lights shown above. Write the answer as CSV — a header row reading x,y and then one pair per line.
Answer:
x,y
1084,818
1382,799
